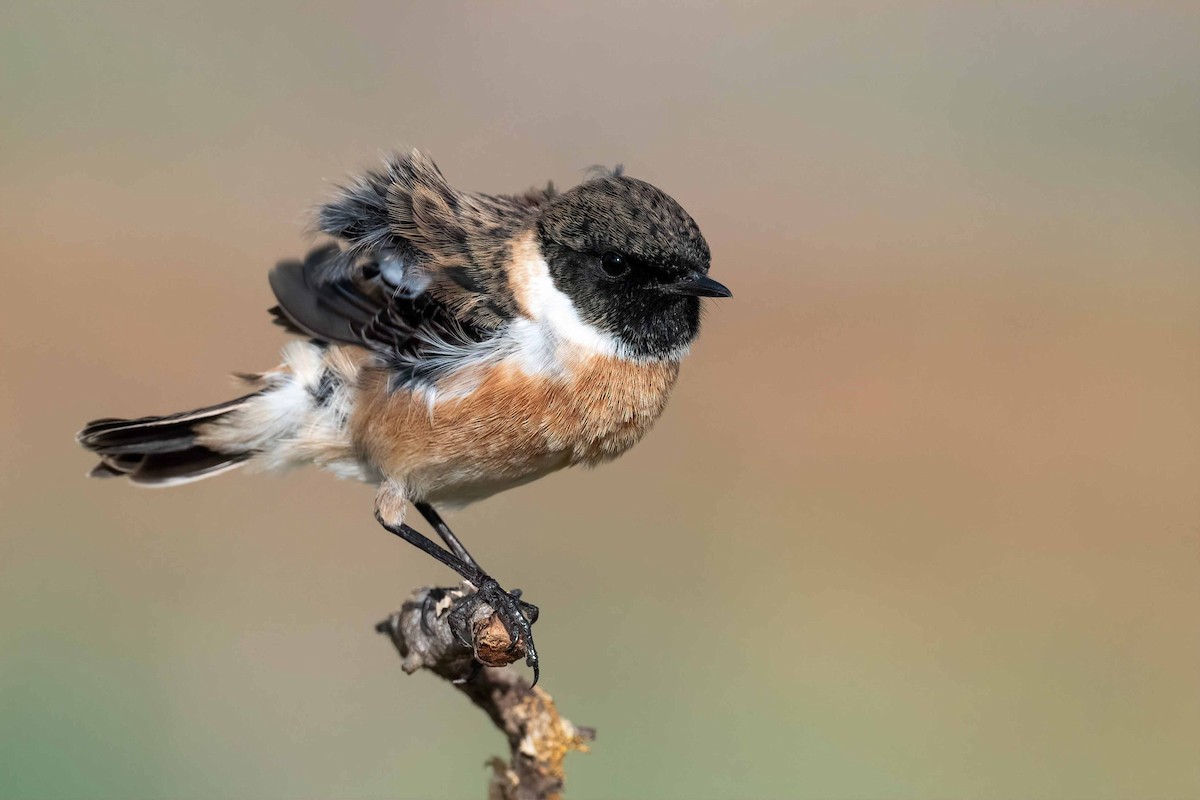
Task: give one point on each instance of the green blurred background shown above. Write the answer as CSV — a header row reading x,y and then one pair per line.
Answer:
x,y
921,520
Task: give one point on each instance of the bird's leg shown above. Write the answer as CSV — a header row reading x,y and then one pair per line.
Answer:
x,y
443,530
516,616
431,515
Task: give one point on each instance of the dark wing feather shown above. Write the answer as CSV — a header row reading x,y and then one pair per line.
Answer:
x,y
454,245
308,306
417,268
363,309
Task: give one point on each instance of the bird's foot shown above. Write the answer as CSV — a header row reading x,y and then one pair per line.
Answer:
x,y
514,614
429,606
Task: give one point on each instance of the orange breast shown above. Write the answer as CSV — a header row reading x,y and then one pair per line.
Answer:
x,y
512,427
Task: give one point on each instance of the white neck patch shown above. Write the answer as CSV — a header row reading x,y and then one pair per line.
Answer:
x,y
551,336
550,314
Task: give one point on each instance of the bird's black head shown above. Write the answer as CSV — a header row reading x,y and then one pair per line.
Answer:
x,y
631,260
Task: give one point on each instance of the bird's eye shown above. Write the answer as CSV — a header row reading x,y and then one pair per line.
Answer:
x,y
614,264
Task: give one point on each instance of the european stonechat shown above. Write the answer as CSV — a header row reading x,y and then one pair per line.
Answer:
x,y
456,344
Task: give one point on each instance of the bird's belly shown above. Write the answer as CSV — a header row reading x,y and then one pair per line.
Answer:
x,y
509,429
465,483
458,454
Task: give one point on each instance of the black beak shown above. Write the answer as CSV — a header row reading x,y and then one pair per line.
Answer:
x,y
699,286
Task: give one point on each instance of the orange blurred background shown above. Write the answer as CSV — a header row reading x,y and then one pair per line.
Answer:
x,y
921,520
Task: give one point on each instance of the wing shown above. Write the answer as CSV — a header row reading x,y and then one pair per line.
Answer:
x,y
416,272
449,244
413,336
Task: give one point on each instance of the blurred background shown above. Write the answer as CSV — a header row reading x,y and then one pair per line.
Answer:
x,y
922,518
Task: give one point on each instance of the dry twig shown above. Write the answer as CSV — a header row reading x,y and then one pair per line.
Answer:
x,y
538,738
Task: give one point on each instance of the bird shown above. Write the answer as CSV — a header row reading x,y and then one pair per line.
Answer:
x,y
453,345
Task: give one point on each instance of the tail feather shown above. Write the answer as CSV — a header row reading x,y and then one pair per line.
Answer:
x,y
160,451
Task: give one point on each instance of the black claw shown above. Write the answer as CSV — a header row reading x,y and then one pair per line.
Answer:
x,y
432,597
515,615
528,610
460,618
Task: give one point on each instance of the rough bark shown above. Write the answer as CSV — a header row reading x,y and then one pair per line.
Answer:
x,y
538,737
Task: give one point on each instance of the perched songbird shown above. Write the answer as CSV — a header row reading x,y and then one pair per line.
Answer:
x,y
457,345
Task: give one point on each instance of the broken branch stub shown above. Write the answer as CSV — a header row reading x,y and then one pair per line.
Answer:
x,y
539,737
